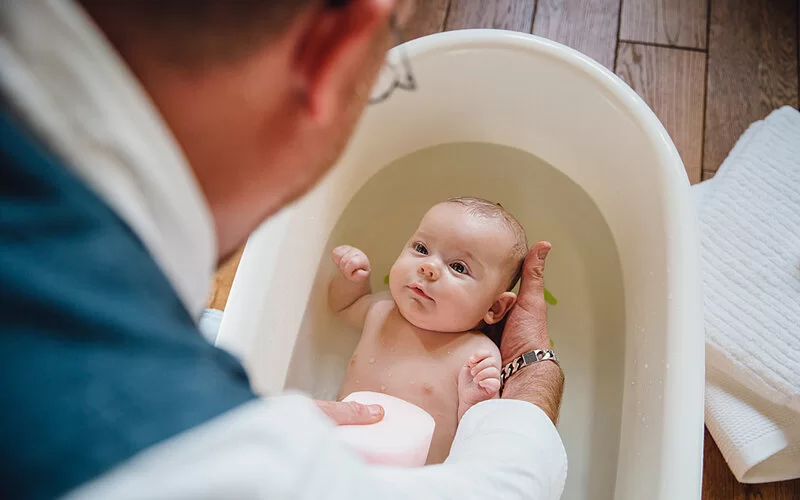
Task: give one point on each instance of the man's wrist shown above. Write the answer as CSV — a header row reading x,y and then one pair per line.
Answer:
x,y
541,384
509,357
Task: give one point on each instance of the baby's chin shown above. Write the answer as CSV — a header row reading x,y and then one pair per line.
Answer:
x,y
429,320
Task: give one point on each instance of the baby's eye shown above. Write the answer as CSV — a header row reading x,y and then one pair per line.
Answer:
x,y
459,267
420,248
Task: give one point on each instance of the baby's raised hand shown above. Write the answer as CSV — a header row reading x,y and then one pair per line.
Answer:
x,y
352,263
478,380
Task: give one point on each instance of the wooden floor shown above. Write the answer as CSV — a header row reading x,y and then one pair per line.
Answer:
x,y
708,68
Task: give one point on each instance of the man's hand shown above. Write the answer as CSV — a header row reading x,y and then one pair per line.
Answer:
x,y
526,326
526,329
351,413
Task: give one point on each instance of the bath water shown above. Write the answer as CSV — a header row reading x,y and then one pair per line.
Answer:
x,y
583,273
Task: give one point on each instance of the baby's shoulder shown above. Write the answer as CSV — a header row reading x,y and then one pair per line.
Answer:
x,y
381,305
472,341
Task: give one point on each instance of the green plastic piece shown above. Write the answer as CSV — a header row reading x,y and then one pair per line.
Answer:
x,y
386,280
548,297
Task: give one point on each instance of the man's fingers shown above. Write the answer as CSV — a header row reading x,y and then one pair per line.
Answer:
x,y
351,413
531,289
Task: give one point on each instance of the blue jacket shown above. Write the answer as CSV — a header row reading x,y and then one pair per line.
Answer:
x,y
100,359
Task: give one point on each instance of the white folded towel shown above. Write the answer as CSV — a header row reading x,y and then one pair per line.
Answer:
x,y
750,231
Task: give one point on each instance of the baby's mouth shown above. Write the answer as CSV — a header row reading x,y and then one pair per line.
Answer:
x,y
417,289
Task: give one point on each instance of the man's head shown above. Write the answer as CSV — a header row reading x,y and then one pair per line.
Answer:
x,y
458,268
261,95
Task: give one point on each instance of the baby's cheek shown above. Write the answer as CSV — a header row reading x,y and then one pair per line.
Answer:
x,y
468,310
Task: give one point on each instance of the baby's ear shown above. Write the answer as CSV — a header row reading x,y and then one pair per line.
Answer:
x,y
502,304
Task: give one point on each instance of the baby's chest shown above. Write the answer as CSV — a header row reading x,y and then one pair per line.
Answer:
x,y
403,368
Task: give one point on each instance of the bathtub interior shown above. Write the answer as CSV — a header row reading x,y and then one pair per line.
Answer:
x,y
587,325
581,161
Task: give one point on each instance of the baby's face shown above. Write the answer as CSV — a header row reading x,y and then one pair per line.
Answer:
x,y
452,270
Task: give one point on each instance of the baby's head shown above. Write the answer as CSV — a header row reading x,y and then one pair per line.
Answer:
x,y
459,267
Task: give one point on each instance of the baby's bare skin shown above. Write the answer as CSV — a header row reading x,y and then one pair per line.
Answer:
x,y
418,366
418,340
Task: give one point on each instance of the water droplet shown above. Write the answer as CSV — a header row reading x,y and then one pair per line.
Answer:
x,y
390,374
449,353
646,366
383,388
358,382
391,349
633,382
371,361
643,419
667,366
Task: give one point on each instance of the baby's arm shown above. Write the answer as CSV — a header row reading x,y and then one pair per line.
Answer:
x,y
349,294
479,377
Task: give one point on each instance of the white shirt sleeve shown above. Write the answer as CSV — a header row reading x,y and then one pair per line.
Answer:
x,y
283,448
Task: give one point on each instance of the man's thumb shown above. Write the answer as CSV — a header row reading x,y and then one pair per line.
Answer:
x,y
532,285
351,412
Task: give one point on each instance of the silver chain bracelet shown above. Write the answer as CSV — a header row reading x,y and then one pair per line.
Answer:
x,y
527,359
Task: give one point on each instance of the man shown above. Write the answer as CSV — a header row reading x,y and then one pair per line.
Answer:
x,y
140,141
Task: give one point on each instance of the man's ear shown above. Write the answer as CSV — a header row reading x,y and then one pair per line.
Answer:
x,y
504,302
341,47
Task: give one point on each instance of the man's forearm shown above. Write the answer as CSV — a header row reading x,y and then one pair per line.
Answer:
x,y
541,384
282,448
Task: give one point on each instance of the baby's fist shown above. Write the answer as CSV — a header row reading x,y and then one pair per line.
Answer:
x,y
352,263
478,380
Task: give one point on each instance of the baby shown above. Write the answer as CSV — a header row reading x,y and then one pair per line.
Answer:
x,y
421,341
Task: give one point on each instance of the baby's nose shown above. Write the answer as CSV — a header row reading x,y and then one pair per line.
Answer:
x,y
429,271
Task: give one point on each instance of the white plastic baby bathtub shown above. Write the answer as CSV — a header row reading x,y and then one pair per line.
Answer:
x,y
583,162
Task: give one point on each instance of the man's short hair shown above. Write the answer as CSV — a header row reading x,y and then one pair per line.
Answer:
x,y
197,32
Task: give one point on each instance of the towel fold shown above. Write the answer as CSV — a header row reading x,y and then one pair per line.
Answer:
x,y
749,217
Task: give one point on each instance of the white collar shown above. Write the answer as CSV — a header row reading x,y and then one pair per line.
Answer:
x,y
75,91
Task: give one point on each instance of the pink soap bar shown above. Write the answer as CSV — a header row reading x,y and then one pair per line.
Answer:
x,y
402,438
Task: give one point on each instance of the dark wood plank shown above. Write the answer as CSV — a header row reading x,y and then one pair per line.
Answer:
x,y
514,15
719,482
428,18
752,68
678,23
589,26
223,280
672,82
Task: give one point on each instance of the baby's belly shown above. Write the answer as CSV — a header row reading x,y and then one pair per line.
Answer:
x,y
414,379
